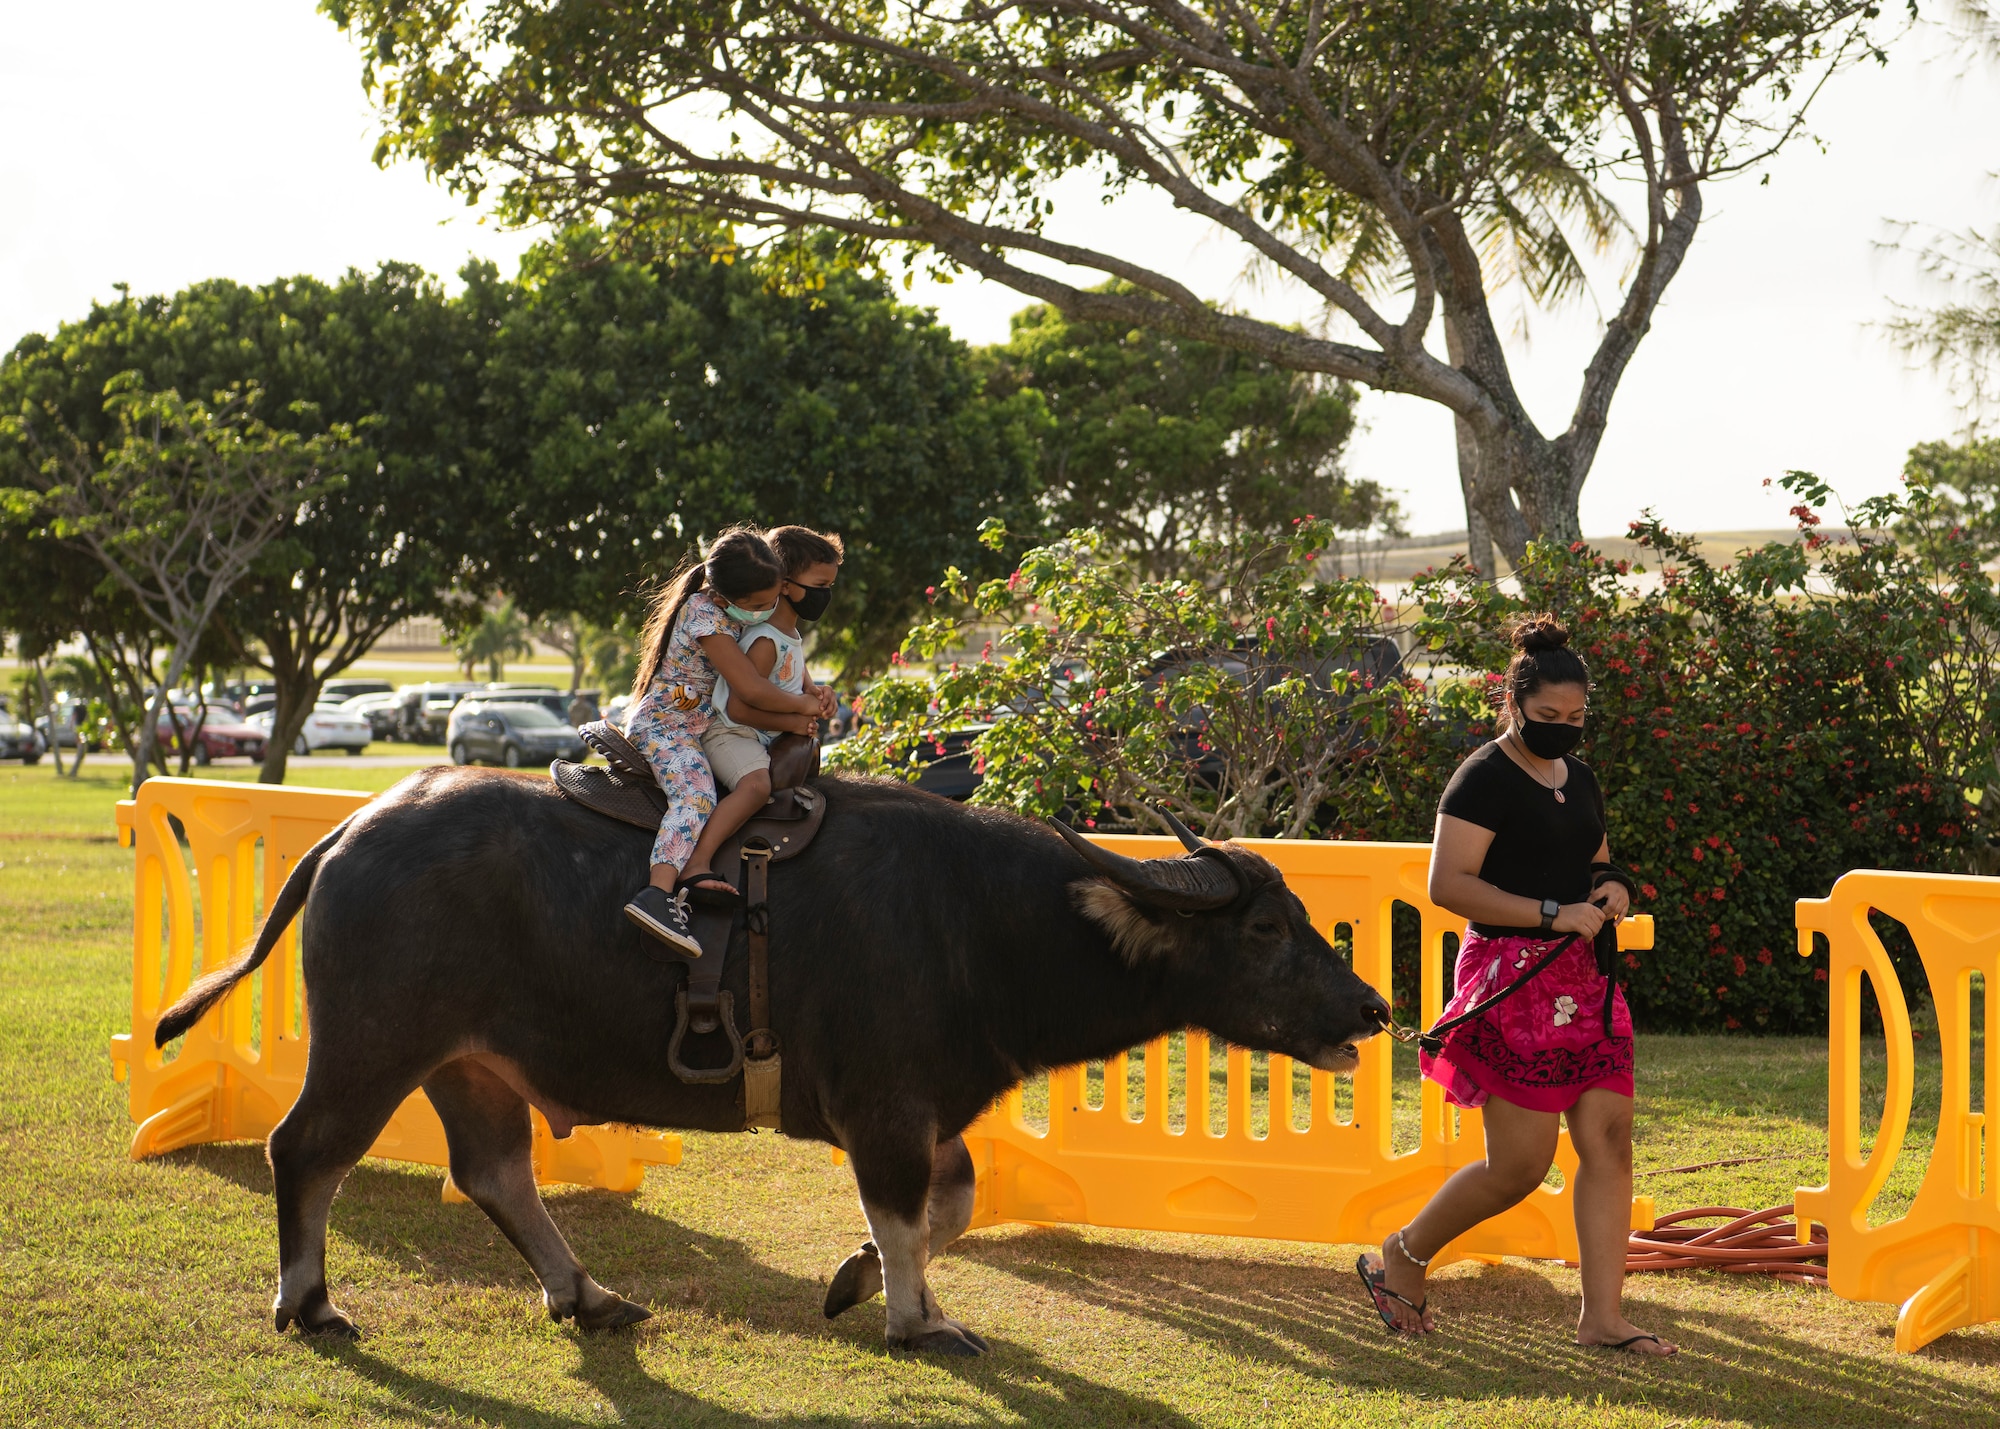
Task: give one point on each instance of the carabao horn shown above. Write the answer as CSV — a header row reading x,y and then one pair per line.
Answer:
x,y
1191,884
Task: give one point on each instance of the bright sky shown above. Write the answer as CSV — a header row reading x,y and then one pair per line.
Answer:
x,y
161,144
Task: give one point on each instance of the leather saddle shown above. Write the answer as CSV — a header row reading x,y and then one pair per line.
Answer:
x,y
627,791
782,829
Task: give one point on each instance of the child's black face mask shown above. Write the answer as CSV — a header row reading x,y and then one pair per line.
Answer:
x,y
812,601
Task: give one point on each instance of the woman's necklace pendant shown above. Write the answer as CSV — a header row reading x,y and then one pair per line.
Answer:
x,y
1559,796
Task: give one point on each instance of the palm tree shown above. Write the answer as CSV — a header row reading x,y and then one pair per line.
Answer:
x,y
500,636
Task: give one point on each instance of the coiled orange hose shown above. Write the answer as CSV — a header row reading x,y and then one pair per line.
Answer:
x,y
1751,1243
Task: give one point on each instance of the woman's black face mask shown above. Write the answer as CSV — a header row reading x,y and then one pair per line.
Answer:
x,y
812,601
1547,740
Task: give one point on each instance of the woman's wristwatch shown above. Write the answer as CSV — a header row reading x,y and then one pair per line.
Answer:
x,y
1550,908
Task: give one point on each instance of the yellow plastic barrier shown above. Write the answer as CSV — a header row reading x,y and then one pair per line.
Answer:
x,y
1941,1259
1334,1179
240,1068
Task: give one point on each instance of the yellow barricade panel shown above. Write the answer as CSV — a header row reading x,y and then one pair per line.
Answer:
x,y
1941,1259
238,1071
1333,1179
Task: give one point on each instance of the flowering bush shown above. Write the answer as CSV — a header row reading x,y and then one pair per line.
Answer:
x,y
1762,727
1254,704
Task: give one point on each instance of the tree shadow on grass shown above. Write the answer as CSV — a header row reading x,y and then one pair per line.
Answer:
x,y
1506,1333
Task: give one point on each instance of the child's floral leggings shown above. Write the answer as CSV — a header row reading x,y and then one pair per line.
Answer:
x,y
671,741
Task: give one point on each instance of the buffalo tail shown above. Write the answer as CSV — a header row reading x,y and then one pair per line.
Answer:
x,y
208,989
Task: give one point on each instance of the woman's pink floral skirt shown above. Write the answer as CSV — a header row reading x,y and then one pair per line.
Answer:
x,y
1543,1047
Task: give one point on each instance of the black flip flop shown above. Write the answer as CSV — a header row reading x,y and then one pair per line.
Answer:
x,y
708,890
1372,1282
1625,1344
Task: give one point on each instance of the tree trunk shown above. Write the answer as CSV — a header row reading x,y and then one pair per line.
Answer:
x,y
148,749
1478,531
296,699
1522,485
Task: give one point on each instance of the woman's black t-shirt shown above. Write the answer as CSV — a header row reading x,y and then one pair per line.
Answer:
x,y
1541,848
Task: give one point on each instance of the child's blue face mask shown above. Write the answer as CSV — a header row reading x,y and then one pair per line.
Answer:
x,y
748,617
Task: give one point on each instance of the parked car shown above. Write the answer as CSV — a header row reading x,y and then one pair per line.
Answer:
x,y
238,695
512,732
212,732
71,714
19,740
378,709
423,711
335,692
324,729
555,704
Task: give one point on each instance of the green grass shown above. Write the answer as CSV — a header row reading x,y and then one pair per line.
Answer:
x,y
139,1293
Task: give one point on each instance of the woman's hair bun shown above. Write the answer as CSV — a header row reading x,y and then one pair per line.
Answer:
x,y
1533,634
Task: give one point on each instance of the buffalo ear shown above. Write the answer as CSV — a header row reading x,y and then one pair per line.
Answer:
x,y
1137,936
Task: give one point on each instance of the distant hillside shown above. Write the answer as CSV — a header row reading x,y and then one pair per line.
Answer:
x,y
1404,559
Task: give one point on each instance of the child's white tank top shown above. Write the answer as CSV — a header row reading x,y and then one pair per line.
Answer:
x,y
788,673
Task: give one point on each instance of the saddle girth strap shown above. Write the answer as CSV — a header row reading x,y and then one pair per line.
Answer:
x,y
761,1061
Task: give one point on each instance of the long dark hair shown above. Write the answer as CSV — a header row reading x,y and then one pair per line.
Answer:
x,y
739,562
1542,656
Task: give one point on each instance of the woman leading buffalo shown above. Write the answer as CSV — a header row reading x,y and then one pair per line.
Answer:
x,y
1521,853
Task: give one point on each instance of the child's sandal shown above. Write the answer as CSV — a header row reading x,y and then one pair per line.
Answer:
x,y
708,889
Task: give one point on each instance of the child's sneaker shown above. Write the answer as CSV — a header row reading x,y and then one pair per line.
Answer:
x,y
665,917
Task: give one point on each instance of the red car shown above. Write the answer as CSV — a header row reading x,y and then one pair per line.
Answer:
x,y
216,733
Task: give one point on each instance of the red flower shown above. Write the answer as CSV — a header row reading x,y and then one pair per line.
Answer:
x,y
1741,966
1743,728
1819,974
1714,930
1713,840
1699,855
1649,890
1764,956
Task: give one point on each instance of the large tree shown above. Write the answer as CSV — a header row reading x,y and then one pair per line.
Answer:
x,y
387,354
635,408
1392,157
175,502
1161,442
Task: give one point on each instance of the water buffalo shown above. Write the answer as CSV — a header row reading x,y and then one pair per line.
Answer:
x,y
465,934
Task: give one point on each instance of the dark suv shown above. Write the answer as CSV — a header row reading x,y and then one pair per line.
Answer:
x,y
511,732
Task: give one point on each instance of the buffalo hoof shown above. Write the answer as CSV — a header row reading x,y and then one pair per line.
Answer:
x,y
946,1337
614,1314
594,1308
316,1317
859,1278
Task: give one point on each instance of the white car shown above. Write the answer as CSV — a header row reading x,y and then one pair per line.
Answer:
x,y
327,727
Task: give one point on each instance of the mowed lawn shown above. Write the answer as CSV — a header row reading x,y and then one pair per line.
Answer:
x,y
139,1293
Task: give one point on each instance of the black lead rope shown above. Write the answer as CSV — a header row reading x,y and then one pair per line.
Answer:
x,y
1433,1040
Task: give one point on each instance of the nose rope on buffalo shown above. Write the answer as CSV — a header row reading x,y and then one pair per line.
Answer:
x,y
1762,1242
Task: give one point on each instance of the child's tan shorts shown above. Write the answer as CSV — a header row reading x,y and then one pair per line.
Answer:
x,y
733,753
